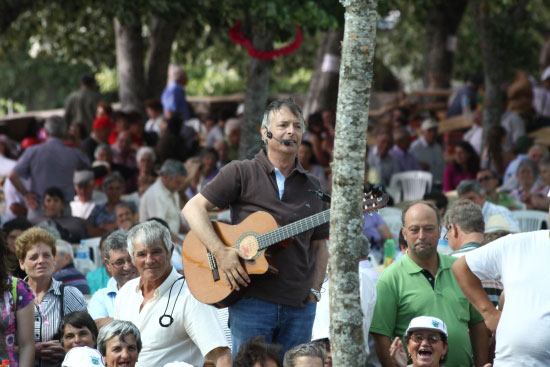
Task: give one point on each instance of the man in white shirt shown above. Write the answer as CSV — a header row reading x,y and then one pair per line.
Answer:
x,y
520,261
86,197
472,190
119,264
162,199
173,324
428,152
474,135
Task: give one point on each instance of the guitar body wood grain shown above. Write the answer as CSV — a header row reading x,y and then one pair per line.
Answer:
x,y
197,270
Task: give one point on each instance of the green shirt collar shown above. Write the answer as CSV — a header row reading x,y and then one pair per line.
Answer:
x,y
411,267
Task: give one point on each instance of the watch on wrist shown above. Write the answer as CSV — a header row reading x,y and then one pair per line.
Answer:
x,y
316,293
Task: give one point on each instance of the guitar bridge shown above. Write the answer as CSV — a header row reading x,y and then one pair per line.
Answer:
x,y
213,266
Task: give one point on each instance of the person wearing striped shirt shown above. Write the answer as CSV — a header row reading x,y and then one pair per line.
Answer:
x,y
465,232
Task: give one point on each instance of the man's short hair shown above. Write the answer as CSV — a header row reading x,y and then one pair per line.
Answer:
x,y
439,198
64,247
172,168
466,186
113,177
55,126
126,204
117,328
54,192
175,72
304,350
257,350
115,241
428,204
149,233
146,150
101,147
87,79
276,105
465,215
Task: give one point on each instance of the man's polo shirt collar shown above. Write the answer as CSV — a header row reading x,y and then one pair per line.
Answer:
x,y
266,164
411,267
164,287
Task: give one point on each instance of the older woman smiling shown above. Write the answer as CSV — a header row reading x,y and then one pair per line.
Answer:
x,y
426,339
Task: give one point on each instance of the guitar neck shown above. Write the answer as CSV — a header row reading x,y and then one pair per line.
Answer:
x,y
280,234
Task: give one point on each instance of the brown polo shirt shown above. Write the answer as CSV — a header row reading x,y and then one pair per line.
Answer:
x,y
250,186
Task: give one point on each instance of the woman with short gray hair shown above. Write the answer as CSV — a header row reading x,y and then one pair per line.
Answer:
x,y
119,341
527,174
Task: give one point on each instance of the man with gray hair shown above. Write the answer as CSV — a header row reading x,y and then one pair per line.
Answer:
x,y
305,355
173,324
51,164
472,190
465,227
162,199
466,232
119,264
173,97
65,270
282,307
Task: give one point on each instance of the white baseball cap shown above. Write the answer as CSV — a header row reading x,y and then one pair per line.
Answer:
x,y
427,322
83,357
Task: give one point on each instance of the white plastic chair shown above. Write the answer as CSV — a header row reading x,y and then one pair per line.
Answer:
x,y
530,220
410,185
389,212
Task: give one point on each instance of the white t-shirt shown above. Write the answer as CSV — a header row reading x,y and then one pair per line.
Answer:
x,y
522,263
194,333
159,202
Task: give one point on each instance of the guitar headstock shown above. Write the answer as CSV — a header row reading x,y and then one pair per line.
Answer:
x,y
374,200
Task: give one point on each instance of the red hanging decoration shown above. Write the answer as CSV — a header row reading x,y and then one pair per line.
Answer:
x,y
237,36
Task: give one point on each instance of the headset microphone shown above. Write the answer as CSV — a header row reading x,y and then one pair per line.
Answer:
x,y
270,136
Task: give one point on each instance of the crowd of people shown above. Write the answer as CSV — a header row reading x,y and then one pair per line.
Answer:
x,y
142,185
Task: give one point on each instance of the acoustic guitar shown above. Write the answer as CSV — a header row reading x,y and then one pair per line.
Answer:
x,y
257,237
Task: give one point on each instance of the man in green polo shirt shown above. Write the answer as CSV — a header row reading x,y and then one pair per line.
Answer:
x,y
422,283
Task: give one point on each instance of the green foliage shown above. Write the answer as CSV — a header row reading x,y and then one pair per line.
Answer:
x,y
7,104
403,46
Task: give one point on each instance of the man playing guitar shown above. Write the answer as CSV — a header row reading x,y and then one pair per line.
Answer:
x,y
281,307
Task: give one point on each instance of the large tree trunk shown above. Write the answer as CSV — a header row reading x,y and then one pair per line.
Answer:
x,y
158,55
441,26
346,334
129,56
494,31
257,85
323,87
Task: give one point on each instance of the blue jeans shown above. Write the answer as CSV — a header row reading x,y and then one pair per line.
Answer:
x,y
279,324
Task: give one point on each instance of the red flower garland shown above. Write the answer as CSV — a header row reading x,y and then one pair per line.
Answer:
x,y
237,36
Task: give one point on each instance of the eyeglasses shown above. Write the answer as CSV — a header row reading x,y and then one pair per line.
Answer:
x,y
447,229
485,178
120,262
431,338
